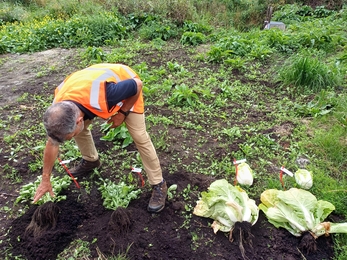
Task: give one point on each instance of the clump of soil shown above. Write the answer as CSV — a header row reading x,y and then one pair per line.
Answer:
x,y
44,218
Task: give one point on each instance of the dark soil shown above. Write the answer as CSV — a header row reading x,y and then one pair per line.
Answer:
x,y
155,236
172,234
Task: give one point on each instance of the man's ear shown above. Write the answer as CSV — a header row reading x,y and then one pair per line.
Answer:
x,y
79,119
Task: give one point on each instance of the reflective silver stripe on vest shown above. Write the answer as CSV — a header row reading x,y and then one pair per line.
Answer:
x,y
95,90
129,71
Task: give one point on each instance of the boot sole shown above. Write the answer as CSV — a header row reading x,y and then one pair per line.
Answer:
x,y
155,211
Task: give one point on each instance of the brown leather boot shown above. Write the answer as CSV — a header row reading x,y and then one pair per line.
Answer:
x,y
157,201
85,167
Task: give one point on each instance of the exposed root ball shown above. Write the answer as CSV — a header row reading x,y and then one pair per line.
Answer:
x,y
308,243
120,220
242,235
44,218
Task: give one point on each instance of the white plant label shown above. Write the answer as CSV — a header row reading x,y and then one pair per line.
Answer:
x,y
240,161
287,171
136,169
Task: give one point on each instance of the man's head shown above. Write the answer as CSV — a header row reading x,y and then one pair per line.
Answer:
x,y
63,121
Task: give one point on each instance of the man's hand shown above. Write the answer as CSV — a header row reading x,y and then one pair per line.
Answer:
x,y
45,186
116,120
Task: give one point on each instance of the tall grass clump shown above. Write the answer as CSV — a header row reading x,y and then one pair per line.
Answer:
x,y
12,12
305,74
175,10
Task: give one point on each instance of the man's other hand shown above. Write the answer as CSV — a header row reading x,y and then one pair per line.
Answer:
x,y
116,120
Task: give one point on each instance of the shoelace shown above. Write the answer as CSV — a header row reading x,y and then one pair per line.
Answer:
x,y
158,192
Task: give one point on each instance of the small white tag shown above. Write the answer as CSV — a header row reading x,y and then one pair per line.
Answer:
x,y
287,171
66,161
240,161
136,169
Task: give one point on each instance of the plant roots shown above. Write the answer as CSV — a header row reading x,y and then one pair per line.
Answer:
x,y
242,235
44,218
308,243
120,220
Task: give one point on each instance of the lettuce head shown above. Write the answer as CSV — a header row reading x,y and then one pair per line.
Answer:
x,y
226,204
303,178
244,174
298,211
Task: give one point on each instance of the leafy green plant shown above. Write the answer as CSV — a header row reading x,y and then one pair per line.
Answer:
x,y
321,11
118,134
158,29
189,26
226,204
27,192
183,95
322,104
171,191
232,132
313,109
304,178
192,38
94,55
244,174
117,195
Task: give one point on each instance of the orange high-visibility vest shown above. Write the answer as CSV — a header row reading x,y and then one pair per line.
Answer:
x,y
88,88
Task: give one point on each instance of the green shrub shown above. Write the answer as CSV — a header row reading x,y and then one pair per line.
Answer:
x,y
46,33
249,15
155,29
189,26
321,12
192,38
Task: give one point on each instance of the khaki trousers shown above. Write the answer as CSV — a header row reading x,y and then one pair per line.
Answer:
x,y
137,128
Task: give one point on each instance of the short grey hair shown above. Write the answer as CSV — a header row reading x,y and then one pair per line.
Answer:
x,y
60,120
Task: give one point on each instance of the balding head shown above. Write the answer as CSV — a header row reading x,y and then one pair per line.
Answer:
x,y
60,119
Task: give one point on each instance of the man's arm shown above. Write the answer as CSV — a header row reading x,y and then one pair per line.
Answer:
x,y
128,103
49,156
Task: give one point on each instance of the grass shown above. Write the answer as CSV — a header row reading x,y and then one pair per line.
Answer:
x,y
201,98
